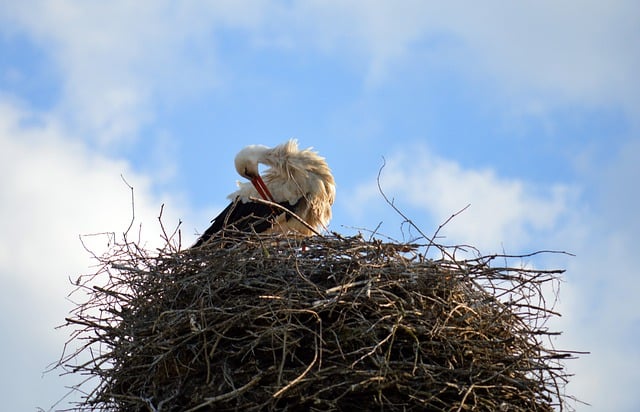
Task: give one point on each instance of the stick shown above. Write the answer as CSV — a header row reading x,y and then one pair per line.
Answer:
x,y
227,395
284,209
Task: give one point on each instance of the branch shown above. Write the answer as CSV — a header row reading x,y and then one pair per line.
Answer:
x,y
284,209
228,395
410,222
133,208
444,224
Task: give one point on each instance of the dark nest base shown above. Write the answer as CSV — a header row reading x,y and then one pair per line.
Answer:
x,y
267,323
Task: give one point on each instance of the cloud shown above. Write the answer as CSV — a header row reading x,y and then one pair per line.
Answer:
x,y
598,298
53,189
597,301
503,212
576,52
119,61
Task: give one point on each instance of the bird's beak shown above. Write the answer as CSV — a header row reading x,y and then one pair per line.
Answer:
x,y
258,183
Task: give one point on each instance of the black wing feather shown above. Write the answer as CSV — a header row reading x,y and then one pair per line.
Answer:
x,y
244,217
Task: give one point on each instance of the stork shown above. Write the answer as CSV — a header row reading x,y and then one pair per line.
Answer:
x,y
298,180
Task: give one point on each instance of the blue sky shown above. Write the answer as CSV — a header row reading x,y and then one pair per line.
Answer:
x,y
530,112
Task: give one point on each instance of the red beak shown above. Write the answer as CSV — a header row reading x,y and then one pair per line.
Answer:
x,y
258,183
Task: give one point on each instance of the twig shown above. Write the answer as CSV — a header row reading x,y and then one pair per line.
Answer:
x,y
133,208
311,364
430,240
444,224
287,211
228,395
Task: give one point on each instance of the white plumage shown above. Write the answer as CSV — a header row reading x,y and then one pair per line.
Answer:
x,y
298,180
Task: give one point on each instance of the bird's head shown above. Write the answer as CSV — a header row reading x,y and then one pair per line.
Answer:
x,y
247,161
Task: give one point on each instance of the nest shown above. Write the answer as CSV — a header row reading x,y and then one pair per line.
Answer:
x,y
253,323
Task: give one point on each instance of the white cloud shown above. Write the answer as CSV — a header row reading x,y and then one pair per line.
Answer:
x,y
53,189
600,315
575,52
599,298
569,50
119,59
503,212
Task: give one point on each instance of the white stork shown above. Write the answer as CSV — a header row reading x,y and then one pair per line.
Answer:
x,y
298,180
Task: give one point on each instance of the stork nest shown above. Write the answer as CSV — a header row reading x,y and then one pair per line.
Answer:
x,y
253,323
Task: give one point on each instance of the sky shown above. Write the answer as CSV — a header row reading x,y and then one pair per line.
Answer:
x,y
527,111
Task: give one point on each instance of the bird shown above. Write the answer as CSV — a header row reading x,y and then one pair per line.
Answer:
x,y
299,181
